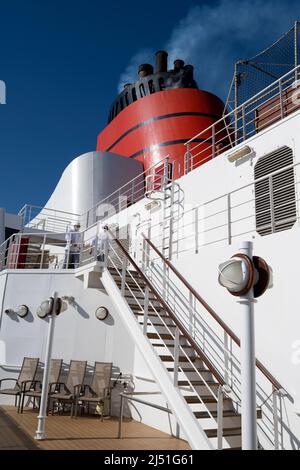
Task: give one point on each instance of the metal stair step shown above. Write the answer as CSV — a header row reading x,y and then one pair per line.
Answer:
x,y
152,315
162,345
189,369
226,432
204,399
182,383
136,307
181,358
226,414
162,336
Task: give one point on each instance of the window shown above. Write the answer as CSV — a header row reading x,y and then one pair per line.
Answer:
x,y
275,199
126,98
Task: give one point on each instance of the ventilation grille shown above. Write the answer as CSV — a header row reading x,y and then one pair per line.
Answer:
x,y
275,200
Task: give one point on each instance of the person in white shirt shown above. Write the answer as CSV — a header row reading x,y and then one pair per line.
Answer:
x,y
101,244
73,247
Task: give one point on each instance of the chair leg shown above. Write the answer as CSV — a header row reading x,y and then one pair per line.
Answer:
x,y
19,402
22,402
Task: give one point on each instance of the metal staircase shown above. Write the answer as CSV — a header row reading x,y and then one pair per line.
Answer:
x,y
192,376
197,351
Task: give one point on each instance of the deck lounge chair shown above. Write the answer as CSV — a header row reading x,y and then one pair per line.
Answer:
x,y
23,382
68,391
36,391
99,390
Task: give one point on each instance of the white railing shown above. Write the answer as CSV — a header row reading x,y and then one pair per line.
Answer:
x,y
52,220
32,251
46,219
267,107
150,180
220,345
233,216
141,296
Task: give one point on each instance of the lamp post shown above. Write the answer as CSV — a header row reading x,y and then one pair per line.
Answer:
x,y
40,432
248,376
247,277
52,307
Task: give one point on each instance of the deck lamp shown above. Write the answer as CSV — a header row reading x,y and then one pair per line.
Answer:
x,y
101,313
246,277
21,311
47,307
241,273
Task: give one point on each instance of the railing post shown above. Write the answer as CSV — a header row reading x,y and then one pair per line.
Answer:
x,y
226,359
275,419
18,252
166,172
147,250
220,418
244,123
121,417
43,251
176,356
213,141
146,310
124,261
281,99
187,158
191,316
132,191
229,234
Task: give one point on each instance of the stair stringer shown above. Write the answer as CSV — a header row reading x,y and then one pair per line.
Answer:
x,y
193,431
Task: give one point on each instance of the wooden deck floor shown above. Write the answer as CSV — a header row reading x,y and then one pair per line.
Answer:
x,y
83,433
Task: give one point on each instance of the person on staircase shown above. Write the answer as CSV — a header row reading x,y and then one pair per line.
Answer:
x,y
73,247
101,244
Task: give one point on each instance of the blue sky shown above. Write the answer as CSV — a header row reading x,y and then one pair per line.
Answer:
x,y
63,61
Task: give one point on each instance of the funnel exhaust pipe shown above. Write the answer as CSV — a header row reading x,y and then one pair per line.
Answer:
x,y
145,70
161,61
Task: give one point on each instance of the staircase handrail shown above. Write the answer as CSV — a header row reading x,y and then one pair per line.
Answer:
x,y
166,307
225,327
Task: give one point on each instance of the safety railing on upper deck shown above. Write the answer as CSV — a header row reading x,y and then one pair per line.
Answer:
x,y
46,219
267,205
51,220
269,106
130,193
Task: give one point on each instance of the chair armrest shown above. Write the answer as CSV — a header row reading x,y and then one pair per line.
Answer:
x,y
60,385
9,379
32,384
93,393
77,391
53,386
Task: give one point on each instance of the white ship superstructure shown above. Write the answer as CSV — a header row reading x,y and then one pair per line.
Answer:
x,y
172,332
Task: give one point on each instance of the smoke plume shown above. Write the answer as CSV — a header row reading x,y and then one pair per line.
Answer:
x,y
213,36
